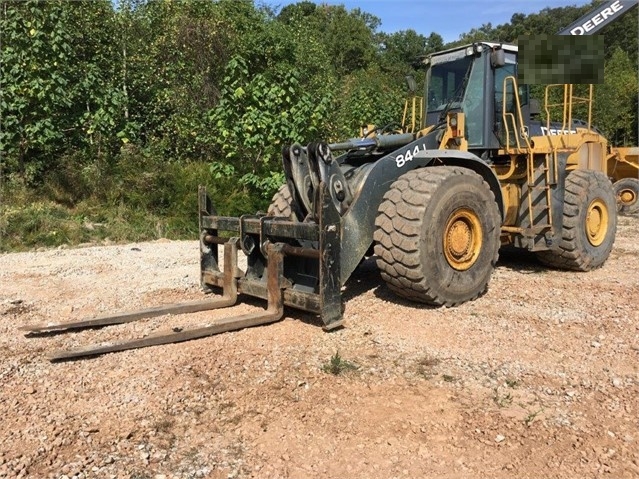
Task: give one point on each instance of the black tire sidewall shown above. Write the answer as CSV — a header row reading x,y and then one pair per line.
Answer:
x,y
456,192
281,203
593,190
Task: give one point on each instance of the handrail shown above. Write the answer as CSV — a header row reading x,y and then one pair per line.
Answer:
x,y
417,111
506,115
569,99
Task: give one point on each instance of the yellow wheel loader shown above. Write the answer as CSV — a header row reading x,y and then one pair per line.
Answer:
x,y
433,206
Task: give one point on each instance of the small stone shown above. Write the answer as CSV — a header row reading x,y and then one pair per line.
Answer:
x,y
500,438
423,451
595,344
617,382
29,390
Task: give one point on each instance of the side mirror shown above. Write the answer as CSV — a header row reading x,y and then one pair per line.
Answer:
x,y
497,58
412,85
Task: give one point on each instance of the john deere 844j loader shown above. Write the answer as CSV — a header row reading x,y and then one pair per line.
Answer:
x,y
434,206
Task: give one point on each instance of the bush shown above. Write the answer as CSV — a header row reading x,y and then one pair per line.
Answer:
x,y
140,195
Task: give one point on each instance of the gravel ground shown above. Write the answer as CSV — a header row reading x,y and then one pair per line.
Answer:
x,y
538,378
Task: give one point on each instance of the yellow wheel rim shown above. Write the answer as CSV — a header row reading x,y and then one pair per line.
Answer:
x,y
597,222
626,197
462,239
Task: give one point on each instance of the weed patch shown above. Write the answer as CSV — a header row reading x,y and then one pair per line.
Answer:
x,y
426,366
338,365
139,197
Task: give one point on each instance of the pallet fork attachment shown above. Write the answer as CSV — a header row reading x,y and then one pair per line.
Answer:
x,y
308,280
229,298
274,312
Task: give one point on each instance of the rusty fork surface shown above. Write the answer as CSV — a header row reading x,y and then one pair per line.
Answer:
x,y
274,312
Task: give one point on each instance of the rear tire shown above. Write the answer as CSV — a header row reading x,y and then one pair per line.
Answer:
x,y
627,193
437,236
590,223
281,203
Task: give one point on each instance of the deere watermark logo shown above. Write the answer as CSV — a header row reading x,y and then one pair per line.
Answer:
x,y
599,18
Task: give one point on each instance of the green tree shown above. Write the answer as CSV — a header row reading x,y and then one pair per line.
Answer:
x,y
56,74
616,107
368,97
255,118
434,43
295,13
348,36
172,57
401,49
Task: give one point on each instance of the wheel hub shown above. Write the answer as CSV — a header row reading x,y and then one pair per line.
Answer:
x,y
462,239
596,222
627,197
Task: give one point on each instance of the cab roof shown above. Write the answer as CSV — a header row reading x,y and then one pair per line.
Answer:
x,y
462,51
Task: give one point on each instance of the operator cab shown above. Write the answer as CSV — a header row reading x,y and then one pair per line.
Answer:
x,y
470,79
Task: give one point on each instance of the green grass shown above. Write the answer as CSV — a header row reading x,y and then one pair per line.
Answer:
x,y
530,418
338,365
502,399
47,224
137,197
512,383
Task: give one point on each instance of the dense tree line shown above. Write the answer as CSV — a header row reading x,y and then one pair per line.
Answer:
x,y
224,82
101,102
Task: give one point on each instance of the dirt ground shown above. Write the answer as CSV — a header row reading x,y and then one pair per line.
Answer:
x,y
538,378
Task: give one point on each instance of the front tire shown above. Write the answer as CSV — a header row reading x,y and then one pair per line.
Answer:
x,y
281,203
589,226
437,236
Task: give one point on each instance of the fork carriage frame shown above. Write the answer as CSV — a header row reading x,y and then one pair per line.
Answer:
x,y
320,251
